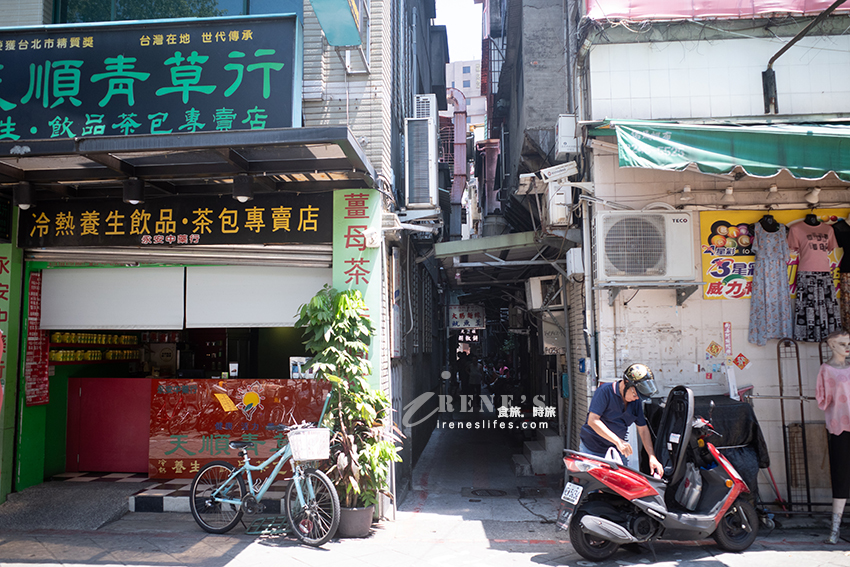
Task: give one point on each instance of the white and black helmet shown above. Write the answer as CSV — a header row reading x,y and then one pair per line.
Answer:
x,y
639,377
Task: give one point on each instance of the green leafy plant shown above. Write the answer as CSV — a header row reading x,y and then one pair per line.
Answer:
x,y
338,333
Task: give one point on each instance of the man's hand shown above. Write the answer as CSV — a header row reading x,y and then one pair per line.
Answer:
x,y
624,448
655,468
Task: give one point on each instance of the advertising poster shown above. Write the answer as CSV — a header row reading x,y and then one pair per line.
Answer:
x,y
193,422
728,262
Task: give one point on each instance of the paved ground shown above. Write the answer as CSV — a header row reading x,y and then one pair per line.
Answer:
x,y
443,521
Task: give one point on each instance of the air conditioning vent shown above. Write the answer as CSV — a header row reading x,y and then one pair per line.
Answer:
x,y
644,246
421,155
425,106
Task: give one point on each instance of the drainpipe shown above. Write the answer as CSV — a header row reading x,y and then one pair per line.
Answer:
x,y
589,313
768,77
415,54
458,100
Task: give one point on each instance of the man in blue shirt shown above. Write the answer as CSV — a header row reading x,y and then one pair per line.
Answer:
x,y
614,407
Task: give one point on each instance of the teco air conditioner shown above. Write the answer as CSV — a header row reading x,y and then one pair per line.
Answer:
x,y
420,165
644,246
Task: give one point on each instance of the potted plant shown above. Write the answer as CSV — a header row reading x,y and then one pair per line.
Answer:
x,y
337,333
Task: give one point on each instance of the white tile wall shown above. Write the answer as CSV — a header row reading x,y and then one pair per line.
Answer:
x,y
811,78
650,327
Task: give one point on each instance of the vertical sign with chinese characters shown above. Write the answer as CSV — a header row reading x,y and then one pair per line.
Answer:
x,y
355,264
35,366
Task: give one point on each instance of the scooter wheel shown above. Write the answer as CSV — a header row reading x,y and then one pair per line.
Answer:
x,y
732,533
589,546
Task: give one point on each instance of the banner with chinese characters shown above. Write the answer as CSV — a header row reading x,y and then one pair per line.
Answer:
x,y
193,421
356,260
467,317
728,263
36,368
271,218
150,78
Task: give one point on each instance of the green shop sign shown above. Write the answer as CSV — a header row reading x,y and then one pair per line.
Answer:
x,y
163,77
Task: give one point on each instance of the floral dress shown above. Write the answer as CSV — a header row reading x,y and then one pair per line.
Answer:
x,y
771,315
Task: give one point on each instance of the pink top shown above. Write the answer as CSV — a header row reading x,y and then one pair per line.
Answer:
x,y
813,245
833,395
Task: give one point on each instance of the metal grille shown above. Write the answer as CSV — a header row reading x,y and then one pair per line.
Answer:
x,y
418,165
447,147
424,106
634,245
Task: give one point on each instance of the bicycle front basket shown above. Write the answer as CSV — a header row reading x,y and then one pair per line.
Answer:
x,y
311,444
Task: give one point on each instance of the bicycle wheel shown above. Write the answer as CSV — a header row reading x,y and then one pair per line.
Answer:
x,y
314,521
216,517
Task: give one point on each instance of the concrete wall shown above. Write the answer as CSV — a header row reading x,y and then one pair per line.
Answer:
x,y
694,79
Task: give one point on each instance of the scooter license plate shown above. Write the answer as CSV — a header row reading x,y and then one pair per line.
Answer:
x,y
572,493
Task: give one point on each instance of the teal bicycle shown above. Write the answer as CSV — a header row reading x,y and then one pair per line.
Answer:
x,y
220,495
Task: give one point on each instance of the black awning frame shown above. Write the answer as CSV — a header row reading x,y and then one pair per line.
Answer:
x,y
99,165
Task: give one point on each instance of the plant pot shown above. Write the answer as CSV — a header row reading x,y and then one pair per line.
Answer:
x,y
355,522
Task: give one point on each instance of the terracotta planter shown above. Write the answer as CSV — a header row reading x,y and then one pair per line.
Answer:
x,y
355,522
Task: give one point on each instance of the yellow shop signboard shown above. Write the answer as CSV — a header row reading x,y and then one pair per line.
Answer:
x,y
726,239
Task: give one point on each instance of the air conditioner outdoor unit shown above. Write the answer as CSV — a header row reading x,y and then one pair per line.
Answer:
x,y
421,154
425,106
644,246
544,292
565,135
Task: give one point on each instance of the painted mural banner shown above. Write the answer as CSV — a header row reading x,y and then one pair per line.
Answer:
x,y
193,421
275,218
158,77
728,262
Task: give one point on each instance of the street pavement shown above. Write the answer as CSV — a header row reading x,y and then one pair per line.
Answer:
x,y
465,507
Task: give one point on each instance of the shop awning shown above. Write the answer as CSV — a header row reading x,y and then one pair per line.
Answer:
x,y
805,151
202,163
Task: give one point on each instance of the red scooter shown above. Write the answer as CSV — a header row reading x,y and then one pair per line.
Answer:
x,y
606,505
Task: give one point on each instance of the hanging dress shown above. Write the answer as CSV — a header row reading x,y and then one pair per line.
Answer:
x,y
771,314
842,236
816,311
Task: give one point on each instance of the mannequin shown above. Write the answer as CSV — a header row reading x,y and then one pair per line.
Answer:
x,y
768,223
833,385
811,219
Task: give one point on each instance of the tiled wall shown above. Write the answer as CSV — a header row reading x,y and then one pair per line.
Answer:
x,y
649,327
687,79
26,12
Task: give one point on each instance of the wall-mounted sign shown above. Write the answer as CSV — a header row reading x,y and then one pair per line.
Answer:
x,y
340,20
275,218
467,317
149,78
728,263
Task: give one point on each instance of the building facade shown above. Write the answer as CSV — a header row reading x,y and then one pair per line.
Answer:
x,y
352,87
